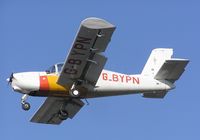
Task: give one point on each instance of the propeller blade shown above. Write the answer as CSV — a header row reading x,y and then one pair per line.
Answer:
x,y
10,79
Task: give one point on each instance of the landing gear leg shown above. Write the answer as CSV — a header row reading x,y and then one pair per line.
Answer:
x,y
63,115
25,105
73,91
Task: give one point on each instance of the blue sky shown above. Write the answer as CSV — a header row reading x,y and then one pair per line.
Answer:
x,y
36,34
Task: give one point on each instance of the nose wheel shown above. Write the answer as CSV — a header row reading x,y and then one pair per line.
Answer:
x,y
25,105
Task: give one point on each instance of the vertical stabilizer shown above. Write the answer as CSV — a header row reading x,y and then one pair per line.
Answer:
x,y
156,60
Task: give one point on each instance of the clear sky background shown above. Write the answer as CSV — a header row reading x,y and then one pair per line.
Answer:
x,y
36,34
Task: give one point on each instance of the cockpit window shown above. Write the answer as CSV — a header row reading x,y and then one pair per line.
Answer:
x,y
59,66
55,68
51,70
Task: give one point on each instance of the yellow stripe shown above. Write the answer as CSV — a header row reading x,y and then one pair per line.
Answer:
x,y
53,86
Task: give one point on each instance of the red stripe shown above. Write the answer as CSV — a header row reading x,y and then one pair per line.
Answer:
x,y
44,84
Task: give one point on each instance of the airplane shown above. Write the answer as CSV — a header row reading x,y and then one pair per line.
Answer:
x,y
82,76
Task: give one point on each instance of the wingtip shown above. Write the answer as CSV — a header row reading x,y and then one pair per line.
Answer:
x,y
96,23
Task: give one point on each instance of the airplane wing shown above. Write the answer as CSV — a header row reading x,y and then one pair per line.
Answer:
x,y
85,60
52,109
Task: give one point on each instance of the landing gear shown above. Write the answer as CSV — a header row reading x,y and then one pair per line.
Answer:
x,y
63,115
74,92
25,105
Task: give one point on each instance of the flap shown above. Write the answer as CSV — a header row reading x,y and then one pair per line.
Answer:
x,y
95,68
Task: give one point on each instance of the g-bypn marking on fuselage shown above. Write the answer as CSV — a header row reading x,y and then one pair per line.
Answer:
x,y
120,78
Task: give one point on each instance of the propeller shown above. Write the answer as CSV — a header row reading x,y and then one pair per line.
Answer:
x,y
10,79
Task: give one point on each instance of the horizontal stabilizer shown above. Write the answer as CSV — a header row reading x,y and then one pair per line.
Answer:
x,y
156,94
171,70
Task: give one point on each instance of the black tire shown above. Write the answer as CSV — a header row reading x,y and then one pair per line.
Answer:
x,y
63,115
26,106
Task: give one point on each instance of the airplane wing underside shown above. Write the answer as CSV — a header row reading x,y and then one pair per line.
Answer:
x,y
50,111
85,60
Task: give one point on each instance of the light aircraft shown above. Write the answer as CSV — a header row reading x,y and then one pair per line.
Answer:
x,y
82,76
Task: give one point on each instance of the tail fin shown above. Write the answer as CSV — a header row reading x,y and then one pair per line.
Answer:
x,y
161,66
156,60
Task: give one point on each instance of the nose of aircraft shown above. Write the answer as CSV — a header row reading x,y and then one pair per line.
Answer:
x,y
24,82
12,80
9,80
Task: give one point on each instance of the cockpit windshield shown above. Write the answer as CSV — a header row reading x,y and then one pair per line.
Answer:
x,y
55,68
52,69
59,66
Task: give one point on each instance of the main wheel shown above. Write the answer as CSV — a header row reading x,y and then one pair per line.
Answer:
x,y
26,106
63,115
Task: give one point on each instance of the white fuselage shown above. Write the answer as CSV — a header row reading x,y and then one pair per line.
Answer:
x,y
109,84
113,83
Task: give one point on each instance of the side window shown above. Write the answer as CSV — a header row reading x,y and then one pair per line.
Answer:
x,y
53,70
